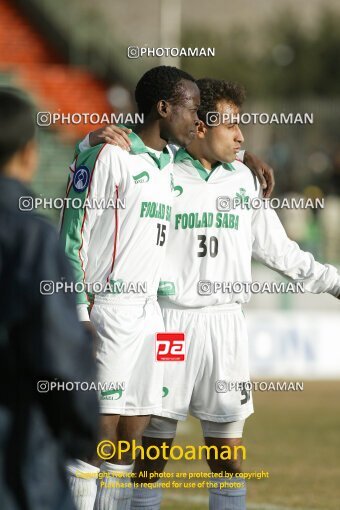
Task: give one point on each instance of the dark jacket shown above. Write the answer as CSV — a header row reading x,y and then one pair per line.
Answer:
x,y
40,339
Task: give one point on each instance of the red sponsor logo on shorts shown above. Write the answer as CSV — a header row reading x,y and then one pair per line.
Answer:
x,y
170,347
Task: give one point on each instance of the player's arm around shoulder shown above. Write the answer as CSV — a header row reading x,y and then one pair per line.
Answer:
x,y
113,135
262,171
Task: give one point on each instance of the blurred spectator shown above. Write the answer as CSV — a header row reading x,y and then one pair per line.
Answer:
x,y
40,337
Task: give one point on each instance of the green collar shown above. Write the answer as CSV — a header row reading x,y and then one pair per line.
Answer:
x,y
138,147
182,155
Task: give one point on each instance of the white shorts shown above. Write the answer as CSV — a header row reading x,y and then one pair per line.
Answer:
x,y
210,383
126,356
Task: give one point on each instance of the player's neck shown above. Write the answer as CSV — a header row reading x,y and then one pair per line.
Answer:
x,y
196,152
149,133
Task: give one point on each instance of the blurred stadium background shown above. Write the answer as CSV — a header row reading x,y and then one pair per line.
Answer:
x,y
70,56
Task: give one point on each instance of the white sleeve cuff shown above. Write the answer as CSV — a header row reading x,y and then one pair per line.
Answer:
x,y
83,314
239,155
85,144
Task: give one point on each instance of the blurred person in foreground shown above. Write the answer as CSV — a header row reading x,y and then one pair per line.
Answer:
x,y
41,339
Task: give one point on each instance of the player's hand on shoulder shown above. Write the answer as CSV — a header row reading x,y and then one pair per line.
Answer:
x,y
113,135
263,172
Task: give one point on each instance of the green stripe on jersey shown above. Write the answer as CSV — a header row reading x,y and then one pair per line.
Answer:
x,y
138,147
70,233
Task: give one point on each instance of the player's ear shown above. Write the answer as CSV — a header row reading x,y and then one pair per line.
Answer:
x,y
201,129
163,108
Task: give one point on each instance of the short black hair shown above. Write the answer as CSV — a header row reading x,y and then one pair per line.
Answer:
x,y
162,82
17,122
213,91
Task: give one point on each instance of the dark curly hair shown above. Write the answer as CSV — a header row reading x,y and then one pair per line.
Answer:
x,y
162,82
213,91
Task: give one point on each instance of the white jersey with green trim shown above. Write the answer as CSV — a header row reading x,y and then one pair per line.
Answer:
x,y
213,237
116,241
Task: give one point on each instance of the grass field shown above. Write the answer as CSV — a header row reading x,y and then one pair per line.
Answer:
x,y
295,436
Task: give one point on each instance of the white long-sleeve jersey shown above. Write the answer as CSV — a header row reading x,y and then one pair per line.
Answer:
x,y
117,239
212,240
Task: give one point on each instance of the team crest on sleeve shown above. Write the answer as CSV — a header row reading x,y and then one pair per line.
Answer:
x,y
81,179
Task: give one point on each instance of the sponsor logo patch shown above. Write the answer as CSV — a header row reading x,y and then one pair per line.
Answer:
x,y
170,347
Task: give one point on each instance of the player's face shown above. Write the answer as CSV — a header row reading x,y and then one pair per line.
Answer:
x,y
224,140
180,125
